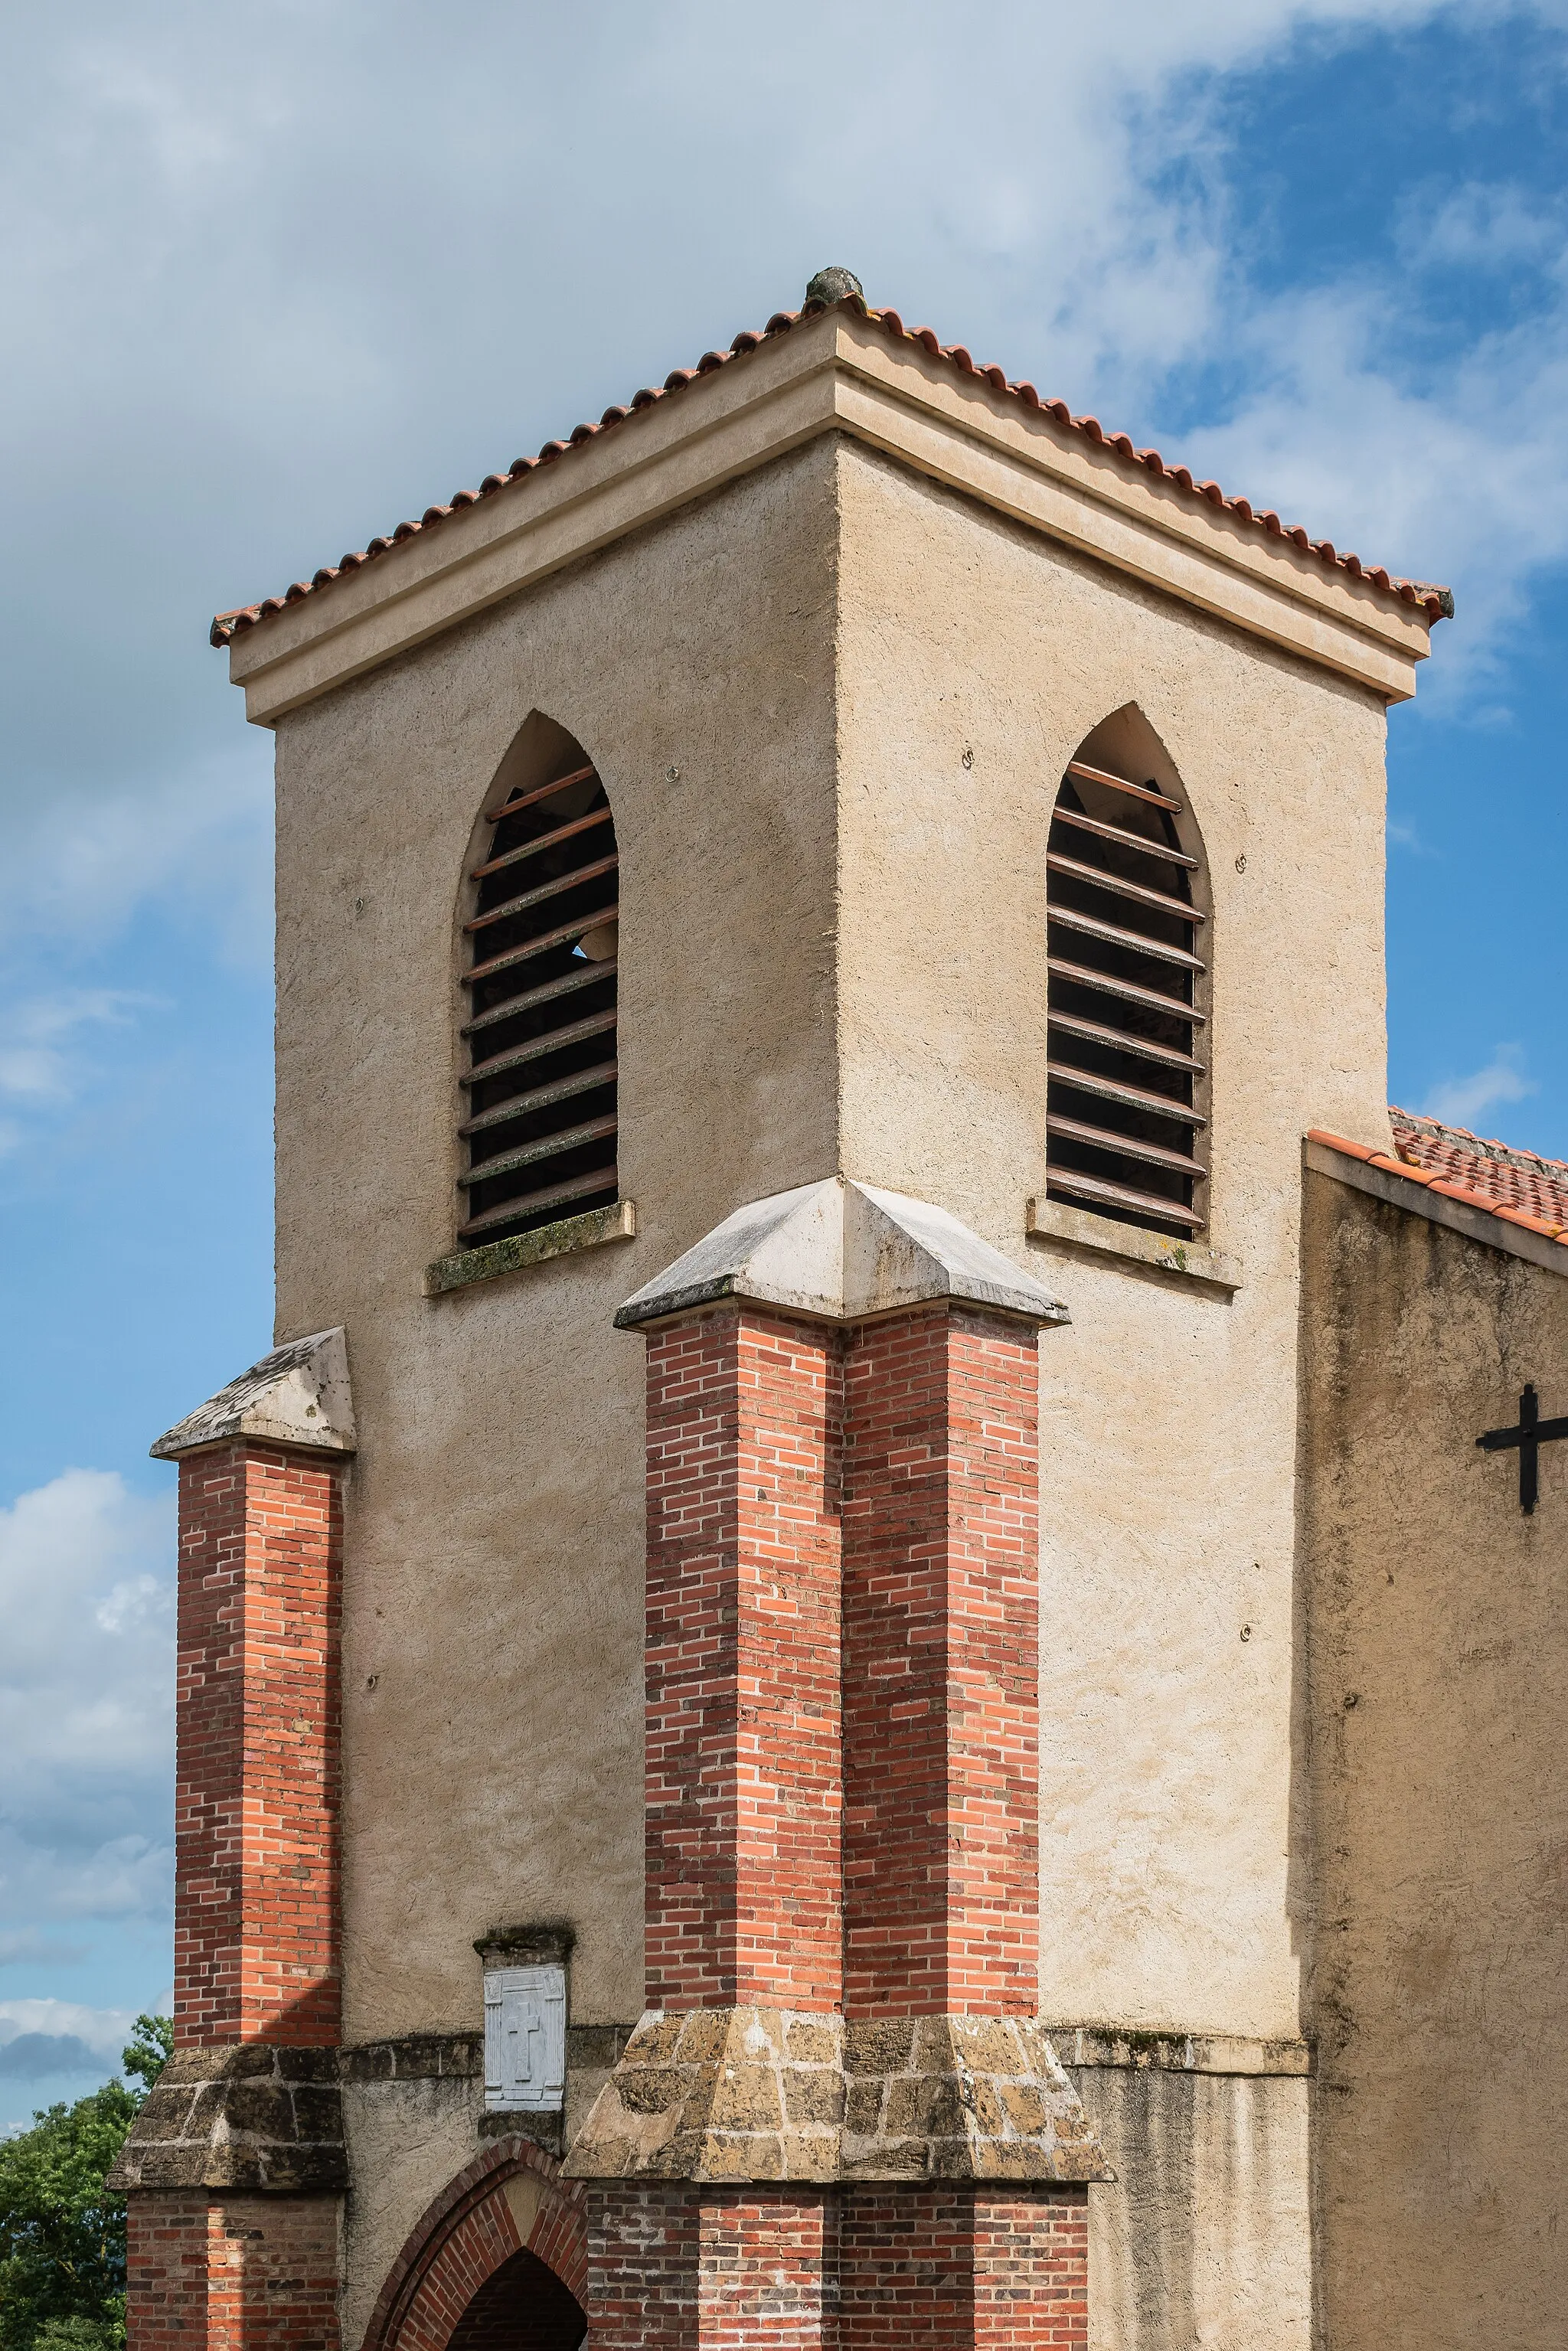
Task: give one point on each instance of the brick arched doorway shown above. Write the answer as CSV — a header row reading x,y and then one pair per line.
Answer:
x,y
521,2306
499,2262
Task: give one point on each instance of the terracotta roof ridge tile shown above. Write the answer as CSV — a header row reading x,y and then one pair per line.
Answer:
x,y
1496,1168
1461,1138
1437,601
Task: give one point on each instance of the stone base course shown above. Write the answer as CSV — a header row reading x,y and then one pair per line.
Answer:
x,y
719,2094
962,2098
757,2093
252,2115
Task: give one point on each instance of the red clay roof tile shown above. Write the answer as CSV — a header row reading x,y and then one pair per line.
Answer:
x,y
1437,601
1519,1187
1499,1173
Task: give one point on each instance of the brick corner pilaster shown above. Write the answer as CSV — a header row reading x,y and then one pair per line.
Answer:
x,y
235,2272
257,1745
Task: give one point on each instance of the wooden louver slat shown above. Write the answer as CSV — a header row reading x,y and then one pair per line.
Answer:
x,y
1142,1047
550,1042
530,1154
580,1082
520,801
540,1127
1137,942
1124,1125
1083,975
1158,850
1085,1082
580,975
554,1196
568,934
551,889
1078,1186
1160,899
546,840
1120,784
1123,1147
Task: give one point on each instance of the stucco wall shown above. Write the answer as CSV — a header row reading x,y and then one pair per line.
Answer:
x,y
832,956
493,1772
1201,2240
1438,1641
1170,1412
405,2141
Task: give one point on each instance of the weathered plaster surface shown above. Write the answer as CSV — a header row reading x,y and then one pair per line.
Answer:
x,y
406,2139
1201,2240
1169,1415
493,1584
1438,1639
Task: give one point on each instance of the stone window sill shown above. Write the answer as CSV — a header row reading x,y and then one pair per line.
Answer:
x,y
1182,1262
568,1234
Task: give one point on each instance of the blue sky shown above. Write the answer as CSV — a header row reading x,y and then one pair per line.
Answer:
x,y
274,282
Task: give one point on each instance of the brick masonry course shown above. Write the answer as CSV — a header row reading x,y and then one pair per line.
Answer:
x,y
235,2273
258,1748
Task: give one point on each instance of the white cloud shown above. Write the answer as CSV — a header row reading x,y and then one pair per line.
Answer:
x,y
105,2031
87,1695
59,2048
1478,226
1464,479
37,1065
27,1943
197,842
1460,1101
248,324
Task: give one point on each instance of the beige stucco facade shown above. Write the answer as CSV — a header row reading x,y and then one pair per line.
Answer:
x,y
1437,1617
830,639
493,1602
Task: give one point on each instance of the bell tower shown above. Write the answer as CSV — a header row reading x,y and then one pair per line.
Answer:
x,y
813,916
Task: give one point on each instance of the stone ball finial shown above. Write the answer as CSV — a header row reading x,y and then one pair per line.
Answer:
x,y
833,285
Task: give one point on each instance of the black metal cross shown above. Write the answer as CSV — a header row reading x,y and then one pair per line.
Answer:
x,y
1530,1434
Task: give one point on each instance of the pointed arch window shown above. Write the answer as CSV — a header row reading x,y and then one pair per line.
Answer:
x,y
1126,1120
539,1027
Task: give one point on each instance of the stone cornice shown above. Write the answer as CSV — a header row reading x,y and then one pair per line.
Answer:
x,y
835,372
841,1252
297,1395
732,2094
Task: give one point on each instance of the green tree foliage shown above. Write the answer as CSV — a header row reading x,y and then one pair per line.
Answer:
x,y
62,2235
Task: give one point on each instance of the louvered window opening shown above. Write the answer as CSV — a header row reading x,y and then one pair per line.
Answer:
x,y
1123,1133
540,1025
